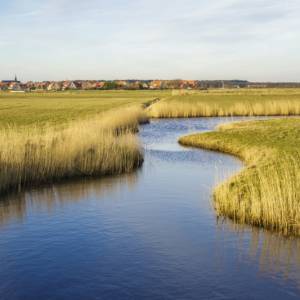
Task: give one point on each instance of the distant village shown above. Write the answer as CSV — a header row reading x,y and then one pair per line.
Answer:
x,y
17,86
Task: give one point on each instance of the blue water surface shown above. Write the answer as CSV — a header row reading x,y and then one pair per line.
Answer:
x,y
152,234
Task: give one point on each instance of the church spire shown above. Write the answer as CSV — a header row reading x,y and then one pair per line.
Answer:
x,y
16,79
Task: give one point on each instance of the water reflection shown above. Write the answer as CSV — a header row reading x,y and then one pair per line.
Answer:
x,y
16,207
276,253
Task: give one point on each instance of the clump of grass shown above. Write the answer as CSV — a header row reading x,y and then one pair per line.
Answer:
x,y
266,193
103,145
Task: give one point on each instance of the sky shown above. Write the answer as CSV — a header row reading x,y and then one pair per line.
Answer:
x,y
150,39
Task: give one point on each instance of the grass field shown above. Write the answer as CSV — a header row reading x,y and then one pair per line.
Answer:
x,y
56,108
237,102
266,192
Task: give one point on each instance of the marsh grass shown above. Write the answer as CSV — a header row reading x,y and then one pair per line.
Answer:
x,y
266,192
179,109
102,145
219,103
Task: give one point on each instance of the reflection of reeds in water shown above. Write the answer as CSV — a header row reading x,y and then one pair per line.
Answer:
x,y
47,198
276,253
10,211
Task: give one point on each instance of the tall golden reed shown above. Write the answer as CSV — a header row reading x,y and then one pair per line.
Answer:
x,y
181,109
101,146
265,195
266,192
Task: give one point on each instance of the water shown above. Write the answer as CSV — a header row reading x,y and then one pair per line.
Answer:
x,y
152,234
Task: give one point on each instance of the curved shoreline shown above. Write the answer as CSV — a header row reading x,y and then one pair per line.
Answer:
x,y
265,192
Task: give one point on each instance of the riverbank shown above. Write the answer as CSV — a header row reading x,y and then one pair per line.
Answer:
x,y
266,192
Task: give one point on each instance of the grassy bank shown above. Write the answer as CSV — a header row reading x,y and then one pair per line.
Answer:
x,y
55,136
238,102
266,192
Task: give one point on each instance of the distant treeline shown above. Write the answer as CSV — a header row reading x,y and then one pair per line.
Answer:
x,y
139,85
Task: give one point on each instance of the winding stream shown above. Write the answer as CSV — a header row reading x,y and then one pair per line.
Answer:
x,y
148,235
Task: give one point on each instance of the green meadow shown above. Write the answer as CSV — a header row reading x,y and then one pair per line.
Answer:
x,y
56,108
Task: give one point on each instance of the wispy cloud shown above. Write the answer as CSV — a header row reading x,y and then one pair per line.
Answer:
x,y
193,39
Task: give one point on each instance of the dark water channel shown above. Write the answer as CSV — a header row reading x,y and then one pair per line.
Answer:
x,y
149,235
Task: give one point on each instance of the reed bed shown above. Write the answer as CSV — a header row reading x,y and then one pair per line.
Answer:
x,y
266,193
103,145
182,109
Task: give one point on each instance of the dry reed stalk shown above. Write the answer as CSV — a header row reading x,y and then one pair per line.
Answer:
x,y
101,146
179,109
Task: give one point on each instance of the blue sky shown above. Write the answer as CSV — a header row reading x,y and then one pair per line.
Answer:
x,y
167,39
